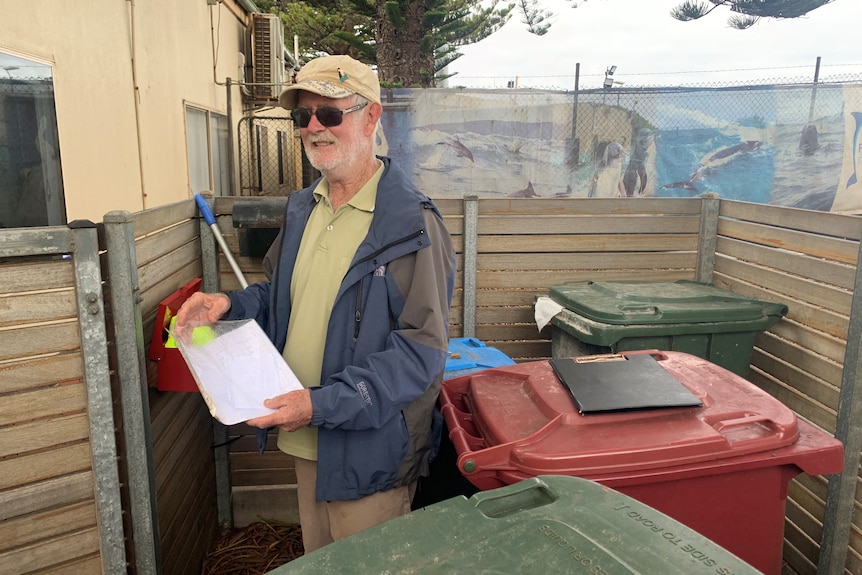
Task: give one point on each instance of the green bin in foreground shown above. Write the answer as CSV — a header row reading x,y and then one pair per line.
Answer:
x,y
693,317
547,524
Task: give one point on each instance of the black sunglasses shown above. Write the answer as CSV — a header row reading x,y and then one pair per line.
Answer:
x,y
328,116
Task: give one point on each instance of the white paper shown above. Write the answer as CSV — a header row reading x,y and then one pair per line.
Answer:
x,y
545,309
236,368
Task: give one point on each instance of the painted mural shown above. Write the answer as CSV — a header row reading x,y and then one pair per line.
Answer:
x,y
795,146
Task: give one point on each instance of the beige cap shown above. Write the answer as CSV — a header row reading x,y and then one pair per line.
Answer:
x,y
333,77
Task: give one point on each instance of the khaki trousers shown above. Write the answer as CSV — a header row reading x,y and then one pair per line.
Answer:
x,y
326,521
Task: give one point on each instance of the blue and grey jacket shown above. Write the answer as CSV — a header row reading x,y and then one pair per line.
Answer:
x,y
386,342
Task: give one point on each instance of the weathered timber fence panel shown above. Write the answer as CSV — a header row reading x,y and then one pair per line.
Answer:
x,y
512,250
509,251
809,261
59,485
170,467
524,247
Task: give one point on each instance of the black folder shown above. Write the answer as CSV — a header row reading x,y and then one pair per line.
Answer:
x,y
637,382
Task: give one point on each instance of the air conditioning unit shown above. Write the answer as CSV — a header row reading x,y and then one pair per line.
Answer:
x,y
267,56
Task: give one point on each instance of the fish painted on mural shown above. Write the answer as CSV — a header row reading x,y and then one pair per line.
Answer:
x,y
527,192
714,160
460,149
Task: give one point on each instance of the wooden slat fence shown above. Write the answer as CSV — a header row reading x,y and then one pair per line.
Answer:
x,y
177,490
170,468
512,250
808,261
524,247
59,487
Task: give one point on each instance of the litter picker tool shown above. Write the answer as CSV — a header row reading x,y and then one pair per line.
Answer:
x,y
261,434
211,222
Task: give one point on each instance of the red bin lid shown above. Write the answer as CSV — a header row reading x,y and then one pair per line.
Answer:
x,y
522,418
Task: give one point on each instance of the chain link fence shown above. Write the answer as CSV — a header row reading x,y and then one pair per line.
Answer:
x,y
687,132
272,161
783,144
779,143
736,77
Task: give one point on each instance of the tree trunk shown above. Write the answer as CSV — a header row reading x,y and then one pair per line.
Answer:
x,y
399,58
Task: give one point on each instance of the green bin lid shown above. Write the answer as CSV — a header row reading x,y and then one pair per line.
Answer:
x,y
546,524
637,302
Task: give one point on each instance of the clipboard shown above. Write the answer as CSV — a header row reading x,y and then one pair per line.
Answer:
x,y
635,382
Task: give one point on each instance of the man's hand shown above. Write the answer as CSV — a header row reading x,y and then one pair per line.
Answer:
x,y
293,411
201,309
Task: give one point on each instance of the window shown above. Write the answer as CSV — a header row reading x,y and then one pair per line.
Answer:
x,y
31,180
208,151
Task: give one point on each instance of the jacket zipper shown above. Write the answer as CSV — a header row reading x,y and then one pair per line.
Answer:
x,y
277,271
387,246
357,312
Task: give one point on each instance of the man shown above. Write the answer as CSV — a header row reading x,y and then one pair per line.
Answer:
x,y
362,274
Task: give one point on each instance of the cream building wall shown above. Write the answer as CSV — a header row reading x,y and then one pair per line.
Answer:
x,y
123,72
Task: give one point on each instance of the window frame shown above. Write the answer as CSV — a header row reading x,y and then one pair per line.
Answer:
x,y
208,138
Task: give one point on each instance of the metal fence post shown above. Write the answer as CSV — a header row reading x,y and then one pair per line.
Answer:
x,y
210,283
94,347
231,145
841,493
134,396
574,146
707,237
471,224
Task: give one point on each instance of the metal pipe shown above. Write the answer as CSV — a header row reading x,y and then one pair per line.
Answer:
x,y
231,163
471,225
211,222
814,90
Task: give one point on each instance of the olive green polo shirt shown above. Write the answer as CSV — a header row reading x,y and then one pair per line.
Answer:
x,y
329,242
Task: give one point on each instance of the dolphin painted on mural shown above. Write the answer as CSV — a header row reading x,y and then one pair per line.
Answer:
x,y
809,140
714,160
527,192
460,149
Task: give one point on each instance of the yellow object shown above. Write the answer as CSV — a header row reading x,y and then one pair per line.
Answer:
x,y
200,335
203,335
170,343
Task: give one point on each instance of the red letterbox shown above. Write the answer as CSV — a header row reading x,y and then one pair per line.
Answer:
x,y
173,373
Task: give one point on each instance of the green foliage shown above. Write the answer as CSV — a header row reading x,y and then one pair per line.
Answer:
x,y
747,12
326,26
440,27
392,9
538,21
453,23
350,27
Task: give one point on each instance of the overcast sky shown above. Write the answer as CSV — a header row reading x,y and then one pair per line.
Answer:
x,y
651,48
